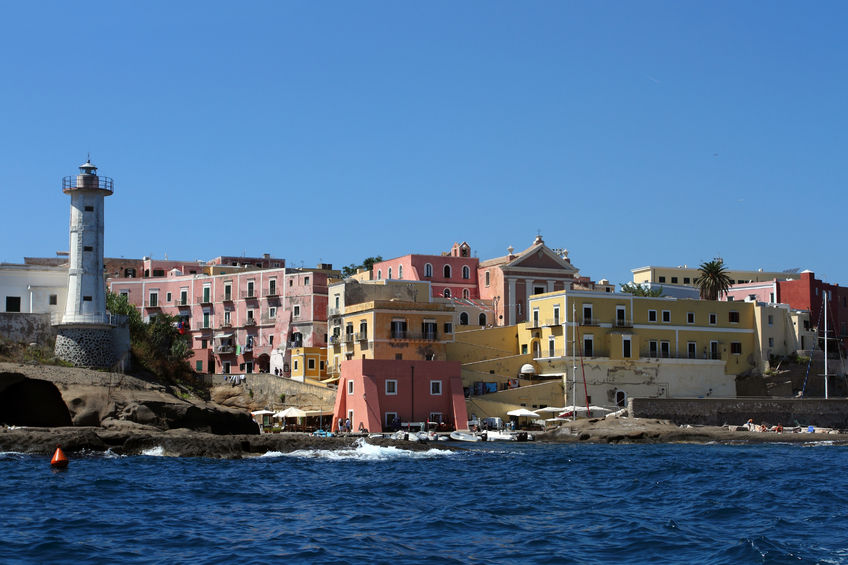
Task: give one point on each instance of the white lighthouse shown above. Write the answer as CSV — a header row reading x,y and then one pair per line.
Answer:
x,y
87,336
86,287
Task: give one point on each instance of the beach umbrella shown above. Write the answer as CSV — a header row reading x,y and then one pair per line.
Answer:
x,y
291,412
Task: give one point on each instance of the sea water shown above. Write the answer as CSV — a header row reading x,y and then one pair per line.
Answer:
x,y
491,503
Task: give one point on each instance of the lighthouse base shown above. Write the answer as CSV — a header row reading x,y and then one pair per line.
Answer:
x,y
89,345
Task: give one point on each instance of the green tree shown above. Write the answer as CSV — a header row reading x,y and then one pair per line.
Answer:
x,y
367,264
712,279
641,289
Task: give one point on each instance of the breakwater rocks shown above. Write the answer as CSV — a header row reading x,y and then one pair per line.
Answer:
x,y
50,396
644,430
178,442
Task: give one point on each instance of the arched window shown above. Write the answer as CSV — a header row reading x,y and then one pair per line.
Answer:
x,y
466,272
447,293
400,271
447,271
428,270
482,319
463,319
390,272
465,294
379,274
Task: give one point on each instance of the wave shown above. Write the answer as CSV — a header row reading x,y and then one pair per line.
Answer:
x,y
157,451
363,451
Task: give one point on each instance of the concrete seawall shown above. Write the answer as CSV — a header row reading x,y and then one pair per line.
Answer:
x,y
830,413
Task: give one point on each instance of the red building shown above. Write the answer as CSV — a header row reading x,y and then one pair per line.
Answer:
x,y
376,392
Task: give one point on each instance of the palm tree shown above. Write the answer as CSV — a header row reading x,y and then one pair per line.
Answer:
x,y
712,279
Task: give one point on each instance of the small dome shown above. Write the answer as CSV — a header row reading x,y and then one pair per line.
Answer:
x,y
87,166
528,369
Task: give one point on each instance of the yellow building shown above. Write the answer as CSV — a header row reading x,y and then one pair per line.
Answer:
x,y
627,345
386,319
686,275
308,363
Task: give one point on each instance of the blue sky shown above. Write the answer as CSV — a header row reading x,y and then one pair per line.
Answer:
x,y
630,133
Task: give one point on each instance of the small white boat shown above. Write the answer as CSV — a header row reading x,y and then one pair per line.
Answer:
x,y
405,436
497,435
464,436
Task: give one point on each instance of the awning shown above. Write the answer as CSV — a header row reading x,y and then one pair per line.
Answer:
x,y
216,336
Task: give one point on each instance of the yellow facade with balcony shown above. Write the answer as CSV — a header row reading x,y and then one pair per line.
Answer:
x,y
628,345
308,363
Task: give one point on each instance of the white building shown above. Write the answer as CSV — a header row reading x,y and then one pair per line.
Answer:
x,y
34,289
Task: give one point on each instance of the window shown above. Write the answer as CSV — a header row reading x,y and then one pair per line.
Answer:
x,y
125,294
13,304
89,208
588,346
204,343
587,314
652,348
296,311
54,300
690,317
771,319
463,319
447,271
428,270
310,364
436,388
447,293
524,349
158,272
207,293
652,315
556,315
551,346
735,348
620,314
228,291
226,318
88,248
538,290
272,287
686,280
270,340
350,387
305,281
714,354
250,314
379,274
391,386
435,417
771,342
184,296
206,319
390,273
321,366
662,279
428,329
625,347
153,299
713,319
733,317
272,312
167,297
673,280
692,349
482,320
535,317
487,278
665,349
448,328
666,316
465,294
86,299
198,366
225,367
400,271
294,364
466,272
398,329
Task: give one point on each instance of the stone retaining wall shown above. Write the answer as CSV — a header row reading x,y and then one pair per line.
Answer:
x,y
26,328
830,413
267,389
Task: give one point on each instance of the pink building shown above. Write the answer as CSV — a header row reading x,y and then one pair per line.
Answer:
x,y
502,286
375,393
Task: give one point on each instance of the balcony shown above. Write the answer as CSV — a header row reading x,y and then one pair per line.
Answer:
x,y
533,324
205,299
619,323
414,336
249,295
348,338
361,336
250,322
335,339
226,324
334,312
590,322
271,293
225,350
181,303
152,304
553,322
228,297
87,182
295,343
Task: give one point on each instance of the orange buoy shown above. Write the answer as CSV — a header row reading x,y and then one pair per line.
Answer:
x,y
59,458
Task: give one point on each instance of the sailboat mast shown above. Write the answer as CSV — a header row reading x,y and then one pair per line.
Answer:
x,y
825,342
